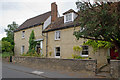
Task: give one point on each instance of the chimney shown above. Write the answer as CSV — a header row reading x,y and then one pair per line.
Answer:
x,y
53,11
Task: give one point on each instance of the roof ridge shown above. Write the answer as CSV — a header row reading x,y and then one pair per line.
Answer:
x,y
39,15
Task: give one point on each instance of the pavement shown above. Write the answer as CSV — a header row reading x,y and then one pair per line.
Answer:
x,y
14,70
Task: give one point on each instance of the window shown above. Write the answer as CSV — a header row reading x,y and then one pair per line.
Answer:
x,y
23,34
82,29
68,17
57,52
85,51
57,35
22,49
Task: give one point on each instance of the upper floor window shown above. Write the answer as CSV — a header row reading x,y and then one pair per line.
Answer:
x,y
84,51
57,35
23,34
68,17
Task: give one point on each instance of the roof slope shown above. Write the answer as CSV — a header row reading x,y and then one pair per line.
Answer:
x,y
38,20
59,24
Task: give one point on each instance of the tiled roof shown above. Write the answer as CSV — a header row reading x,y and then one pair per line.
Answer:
x,y
59,24
35,21
69,11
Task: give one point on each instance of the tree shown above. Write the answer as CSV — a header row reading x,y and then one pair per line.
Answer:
x,y
10,30
6,46
10,34
32,43
100,21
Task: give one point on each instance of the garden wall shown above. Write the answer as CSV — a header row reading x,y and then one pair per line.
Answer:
x,y
58,64
115,68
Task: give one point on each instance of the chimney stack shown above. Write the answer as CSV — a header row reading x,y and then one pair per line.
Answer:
x,y
53,12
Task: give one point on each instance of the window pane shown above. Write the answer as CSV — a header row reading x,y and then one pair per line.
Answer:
x,y
57,51
57,35
85,47
84,52
57,54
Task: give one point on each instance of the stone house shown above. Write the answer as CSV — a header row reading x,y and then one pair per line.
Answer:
x,y
54,36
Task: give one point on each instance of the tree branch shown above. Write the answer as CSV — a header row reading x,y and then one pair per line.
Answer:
x,y
93,38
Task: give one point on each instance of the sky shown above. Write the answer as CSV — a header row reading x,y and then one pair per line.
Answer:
x,y
21,10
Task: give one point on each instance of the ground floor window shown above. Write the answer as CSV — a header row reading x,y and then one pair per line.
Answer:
x,y
57,52
85,51
22,49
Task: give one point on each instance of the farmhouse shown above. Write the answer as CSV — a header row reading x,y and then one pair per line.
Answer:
x,y
54,36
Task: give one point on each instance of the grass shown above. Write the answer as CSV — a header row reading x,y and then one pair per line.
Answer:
x,y
5,54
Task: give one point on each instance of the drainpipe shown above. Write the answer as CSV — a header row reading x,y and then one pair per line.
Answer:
x,y
46,44
46,40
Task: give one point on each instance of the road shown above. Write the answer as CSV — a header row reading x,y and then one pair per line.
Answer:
x,y
10,70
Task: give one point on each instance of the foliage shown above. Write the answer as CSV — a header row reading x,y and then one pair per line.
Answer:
x,y
50,53
74,56
10,30
100,21
6,46
32,53
6,54
10,37
77,48
0,46
108,57
98,44
32,43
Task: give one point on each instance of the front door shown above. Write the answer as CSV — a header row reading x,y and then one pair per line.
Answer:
x,y
113,53
38,47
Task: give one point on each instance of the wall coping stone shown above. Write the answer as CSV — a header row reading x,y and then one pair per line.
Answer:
x,y
115,60
56,58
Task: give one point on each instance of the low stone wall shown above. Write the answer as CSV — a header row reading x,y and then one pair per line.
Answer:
x,y
58,64
115,68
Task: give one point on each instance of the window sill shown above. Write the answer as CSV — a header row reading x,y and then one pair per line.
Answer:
x,y
57,39
57,56
23,37
84,55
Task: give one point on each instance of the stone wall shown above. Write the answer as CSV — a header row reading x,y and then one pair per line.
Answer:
x,y
115,68
58,64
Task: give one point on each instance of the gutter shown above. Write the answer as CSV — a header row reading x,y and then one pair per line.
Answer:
x,y
28,27
65,27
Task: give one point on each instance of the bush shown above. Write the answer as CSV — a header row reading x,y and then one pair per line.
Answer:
x,y
32,53
74,56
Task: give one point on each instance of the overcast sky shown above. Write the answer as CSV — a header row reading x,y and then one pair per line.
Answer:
x,y
20,10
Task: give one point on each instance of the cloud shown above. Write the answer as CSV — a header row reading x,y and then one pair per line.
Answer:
x,y
21,10
2,35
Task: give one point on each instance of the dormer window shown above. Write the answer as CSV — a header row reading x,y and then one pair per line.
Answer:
x,y
68,17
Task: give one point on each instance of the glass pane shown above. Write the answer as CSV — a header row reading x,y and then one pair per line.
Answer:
x,y
57,54
57,51
84,52
85,47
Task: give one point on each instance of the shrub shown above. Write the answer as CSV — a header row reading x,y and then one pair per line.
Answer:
x,y
6,54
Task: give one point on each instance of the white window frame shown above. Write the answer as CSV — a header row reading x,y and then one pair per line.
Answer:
x,y
22,49
57,35
23,34
85,50
68,17
55,53
82,29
